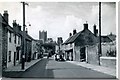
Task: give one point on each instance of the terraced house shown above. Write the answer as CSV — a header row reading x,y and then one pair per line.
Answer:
x,y
11,42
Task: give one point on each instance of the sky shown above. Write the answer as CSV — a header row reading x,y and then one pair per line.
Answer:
x,y
60,18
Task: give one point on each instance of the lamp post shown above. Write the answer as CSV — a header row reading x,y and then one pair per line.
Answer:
x,y
23,39
100,49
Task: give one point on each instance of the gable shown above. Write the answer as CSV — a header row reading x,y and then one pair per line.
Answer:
x,y
86,37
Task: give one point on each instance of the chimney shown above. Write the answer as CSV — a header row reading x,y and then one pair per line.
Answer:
x,y
95,30
19,27
5,15
14,24
70,34
74,31
85,25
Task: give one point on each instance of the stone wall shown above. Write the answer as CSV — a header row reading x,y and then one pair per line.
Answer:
x,y
108,62
4,45
0,45
77,53
92,54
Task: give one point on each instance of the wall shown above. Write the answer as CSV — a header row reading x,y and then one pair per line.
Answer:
x,y
77,53
4,46
0,44
12,47
108,62
92,54
35,48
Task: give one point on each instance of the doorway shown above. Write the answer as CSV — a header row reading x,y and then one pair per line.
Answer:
x,y
82,54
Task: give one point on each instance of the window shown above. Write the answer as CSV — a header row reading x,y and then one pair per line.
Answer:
x,y
15,39
10,37
9,56
18,40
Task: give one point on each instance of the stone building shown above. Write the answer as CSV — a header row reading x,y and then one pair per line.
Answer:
x,y
82,46
11,43
43,36
36,49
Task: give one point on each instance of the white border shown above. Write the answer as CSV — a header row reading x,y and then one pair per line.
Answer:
x,y
59,0
117,61
117,39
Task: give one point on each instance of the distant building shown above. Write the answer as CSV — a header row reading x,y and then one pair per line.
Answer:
x,y
49,40
59,44
108,45
43,36
36,49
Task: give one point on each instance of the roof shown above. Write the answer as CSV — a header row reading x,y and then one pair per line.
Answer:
x,y
5,23
112,37
85,37
72,38
105,39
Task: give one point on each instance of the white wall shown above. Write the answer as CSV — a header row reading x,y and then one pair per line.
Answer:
x,y
12,47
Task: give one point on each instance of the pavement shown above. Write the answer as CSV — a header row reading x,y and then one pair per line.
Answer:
x,y
18,67
106,70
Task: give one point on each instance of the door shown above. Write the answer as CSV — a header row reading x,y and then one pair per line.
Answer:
x,y
14,58
82,54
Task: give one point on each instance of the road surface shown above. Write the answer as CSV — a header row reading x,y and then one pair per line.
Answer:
x,y
49,68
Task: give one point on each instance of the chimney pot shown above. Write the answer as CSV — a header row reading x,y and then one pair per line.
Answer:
x,y
70,34
85,25
74,31
95,30
5,14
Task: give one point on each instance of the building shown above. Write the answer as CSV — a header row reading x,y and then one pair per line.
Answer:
x,y
1,30
43,36
82,46
59,44
49,40
108,45
37,51
11,43
58,47
28,46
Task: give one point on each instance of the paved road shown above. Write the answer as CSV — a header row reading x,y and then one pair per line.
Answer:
x,y
48,68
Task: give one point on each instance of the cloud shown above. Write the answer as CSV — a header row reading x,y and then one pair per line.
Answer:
x,y
60,18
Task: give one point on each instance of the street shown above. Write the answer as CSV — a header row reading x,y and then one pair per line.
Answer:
x,y
49,68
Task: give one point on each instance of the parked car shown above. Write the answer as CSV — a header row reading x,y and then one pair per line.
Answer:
x,y
57,57
45,54
61,58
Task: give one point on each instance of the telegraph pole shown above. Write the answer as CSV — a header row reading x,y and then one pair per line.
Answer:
x,y
100,49
23,39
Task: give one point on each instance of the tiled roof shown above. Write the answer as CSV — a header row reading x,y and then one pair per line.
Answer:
x,y
72,38
85,37
28,37
112,37
105,39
